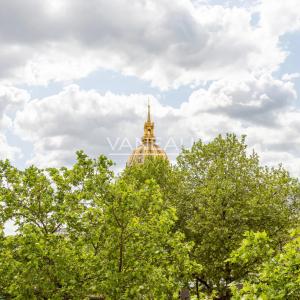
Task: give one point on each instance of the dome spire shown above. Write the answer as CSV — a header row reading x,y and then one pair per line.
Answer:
x,y
149,116
148,136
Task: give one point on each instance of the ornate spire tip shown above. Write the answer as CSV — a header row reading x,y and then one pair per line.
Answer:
x,y
149,116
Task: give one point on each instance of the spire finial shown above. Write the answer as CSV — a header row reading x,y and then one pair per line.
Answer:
x,y
149,116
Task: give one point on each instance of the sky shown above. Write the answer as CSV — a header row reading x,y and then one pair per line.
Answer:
x,y
77,74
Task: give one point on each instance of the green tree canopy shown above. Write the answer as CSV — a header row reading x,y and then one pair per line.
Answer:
x,y
277,271
225,192
81,232
149,232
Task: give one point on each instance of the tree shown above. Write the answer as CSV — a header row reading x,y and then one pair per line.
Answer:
x,y
277,271
145,257
42,261
81,232
157,169
149,232
225,193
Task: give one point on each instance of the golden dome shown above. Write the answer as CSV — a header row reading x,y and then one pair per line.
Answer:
x,y
148,148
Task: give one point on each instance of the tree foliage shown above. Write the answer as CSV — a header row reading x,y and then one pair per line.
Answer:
x,y
226,193
81,234
277,271
149,232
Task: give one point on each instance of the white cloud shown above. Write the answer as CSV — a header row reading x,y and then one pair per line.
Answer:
x,y
255,101
290,77
11,99
168,45
77,119
7,151
279,17
236,47
261,107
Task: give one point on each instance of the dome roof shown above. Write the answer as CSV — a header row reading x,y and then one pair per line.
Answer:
x,y
143,151
148,148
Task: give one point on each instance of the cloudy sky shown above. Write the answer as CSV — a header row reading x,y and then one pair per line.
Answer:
x,y
76,74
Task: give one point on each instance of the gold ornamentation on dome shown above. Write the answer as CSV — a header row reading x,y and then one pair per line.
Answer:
x,y
148,148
